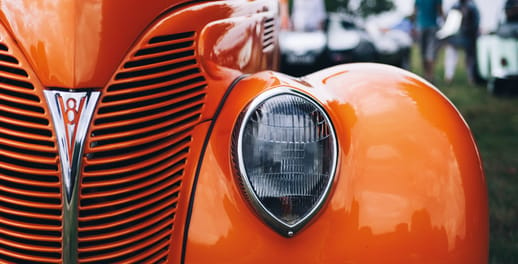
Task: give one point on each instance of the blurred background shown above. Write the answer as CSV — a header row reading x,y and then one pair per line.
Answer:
x,y
482,82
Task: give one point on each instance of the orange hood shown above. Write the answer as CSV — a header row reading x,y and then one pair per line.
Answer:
x,y
78,43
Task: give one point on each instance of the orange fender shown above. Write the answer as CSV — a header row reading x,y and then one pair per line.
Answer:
x,y
409,187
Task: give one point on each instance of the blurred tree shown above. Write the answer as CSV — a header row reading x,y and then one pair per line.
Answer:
x,y
362,8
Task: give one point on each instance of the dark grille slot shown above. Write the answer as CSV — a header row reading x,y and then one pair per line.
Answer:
x,y
44,178
22,239
152,122
114,247
150,155
41,193
115,238
38,200
135,136
11,70
28,164
164,48
158,59
13,103
131,175
128,198
25,127
118,257
15,205
33,219
36,251
157,103
166,110
8,58
192,82
15,92
171,37
24,118
161,79
117,218
15,257
15,82
36,140
160,69
115,187
33,231
268,33
155,257
28,151
153,214
30,194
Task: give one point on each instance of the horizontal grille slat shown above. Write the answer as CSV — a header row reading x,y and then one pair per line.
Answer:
x,y
128,197
127,239
25,192
28,155
121,206
14,256
118,256
157,110
166,66
21,104
30,194
7,68
30,148
160,78
138,92
145,60
125,105
14,91
95,185
18,200
19,226
33,250
37,238
136,152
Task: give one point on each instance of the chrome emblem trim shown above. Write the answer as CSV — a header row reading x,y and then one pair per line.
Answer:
x,y
71,113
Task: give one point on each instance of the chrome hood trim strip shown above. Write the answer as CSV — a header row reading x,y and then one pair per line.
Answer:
x,y
71,114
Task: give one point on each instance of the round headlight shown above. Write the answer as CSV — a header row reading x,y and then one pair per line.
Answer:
x,y
286,154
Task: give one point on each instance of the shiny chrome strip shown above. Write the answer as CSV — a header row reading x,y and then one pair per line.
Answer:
x,y
71,114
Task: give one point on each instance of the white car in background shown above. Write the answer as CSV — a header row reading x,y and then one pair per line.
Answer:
x,y
497,56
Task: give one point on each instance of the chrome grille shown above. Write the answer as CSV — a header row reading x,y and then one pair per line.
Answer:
x,y
30,188
136,153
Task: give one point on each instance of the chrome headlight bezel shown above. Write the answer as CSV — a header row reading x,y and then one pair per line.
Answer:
x,y
285,229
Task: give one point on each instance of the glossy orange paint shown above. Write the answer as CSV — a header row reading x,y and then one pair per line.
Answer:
x,y
78,44
409,188
142,58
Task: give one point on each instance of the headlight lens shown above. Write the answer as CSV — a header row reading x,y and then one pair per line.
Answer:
x,y
286,154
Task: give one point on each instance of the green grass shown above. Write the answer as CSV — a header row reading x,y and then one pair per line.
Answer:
x,y
494,123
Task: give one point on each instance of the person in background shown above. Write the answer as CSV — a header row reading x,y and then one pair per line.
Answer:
x,y
511,11
466,38
426,15
306,15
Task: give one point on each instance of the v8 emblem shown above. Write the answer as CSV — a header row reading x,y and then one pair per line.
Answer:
x,y
71,113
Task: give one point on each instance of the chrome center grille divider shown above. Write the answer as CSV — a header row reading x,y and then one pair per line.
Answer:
x,y
71,115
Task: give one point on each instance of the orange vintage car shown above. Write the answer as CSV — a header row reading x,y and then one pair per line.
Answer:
x,y
159,131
